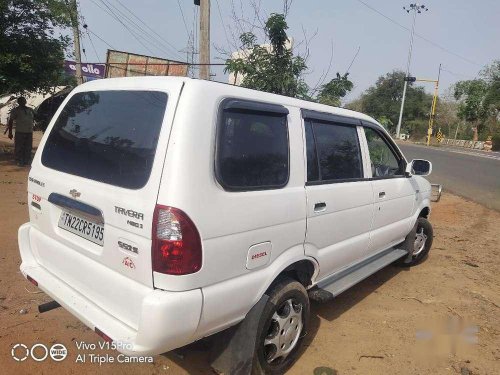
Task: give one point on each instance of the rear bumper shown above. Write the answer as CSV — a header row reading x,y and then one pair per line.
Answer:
x,y
167,320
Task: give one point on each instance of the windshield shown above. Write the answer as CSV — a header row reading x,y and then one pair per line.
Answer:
x,y
107,136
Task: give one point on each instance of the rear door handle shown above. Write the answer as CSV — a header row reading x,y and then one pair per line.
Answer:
x,y
381,194
319,207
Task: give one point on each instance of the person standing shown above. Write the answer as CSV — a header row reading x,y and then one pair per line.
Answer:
x,y
22,116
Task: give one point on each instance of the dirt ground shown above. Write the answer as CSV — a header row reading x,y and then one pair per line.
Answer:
x,y
441,317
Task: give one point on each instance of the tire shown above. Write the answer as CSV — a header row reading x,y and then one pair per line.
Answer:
x,y
279,325
424,234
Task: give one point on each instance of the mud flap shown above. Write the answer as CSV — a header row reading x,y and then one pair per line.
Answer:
x,y
233,349
409,242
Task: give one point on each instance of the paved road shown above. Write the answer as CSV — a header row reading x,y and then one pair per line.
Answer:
x,y
472,174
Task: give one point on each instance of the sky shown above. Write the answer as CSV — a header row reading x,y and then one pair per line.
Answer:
x,y
462,35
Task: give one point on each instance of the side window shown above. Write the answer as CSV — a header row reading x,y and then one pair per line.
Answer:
x,y
384,162
252,150
337,152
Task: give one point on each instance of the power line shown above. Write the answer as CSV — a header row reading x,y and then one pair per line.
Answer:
x,y
81,34
157,36
82,21
190,47
418,35
160,64
113,15
458,75
223,25
183,19
91,42
83,46
352,61
149,37
138,33
88,35
132,32
101,39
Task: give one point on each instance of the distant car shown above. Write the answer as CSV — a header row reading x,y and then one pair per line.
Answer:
x,y
404,136
164,209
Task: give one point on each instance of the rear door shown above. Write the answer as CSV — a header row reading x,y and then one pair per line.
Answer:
x,y
96,180
339,197
393,193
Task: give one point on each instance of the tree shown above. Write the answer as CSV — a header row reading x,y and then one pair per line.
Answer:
x,y
471,108
356,105
385,122
333,91
479,101
271,68
383,100
446,117
31,55
491,74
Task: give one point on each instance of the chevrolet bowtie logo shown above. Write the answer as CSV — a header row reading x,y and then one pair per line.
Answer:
x,y
75,193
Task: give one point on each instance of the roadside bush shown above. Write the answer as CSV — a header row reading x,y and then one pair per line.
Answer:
x,y
417,129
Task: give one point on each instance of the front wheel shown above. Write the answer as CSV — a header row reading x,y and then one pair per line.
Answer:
x,y
281,328
421,243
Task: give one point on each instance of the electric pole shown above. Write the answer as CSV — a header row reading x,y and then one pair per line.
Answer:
x,y
433,108
204,38
416,9
76,40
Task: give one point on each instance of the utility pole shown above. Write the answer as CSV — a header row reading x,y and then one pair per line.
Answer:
x,y
76,40
416,9
204,38
433,108
434,100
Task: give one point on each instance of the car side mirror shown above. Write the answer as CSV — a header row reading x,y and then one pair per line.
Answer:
x,y
419,167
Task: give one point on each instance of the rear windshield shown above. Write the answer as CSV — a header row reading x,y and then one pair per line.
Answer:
x,y
107,136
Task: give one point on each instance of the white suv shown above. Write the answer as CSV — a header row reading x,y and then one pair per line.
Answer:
x,y
164,210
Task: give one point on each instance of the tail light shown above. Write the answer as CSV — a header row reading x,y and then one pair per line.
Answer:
x,y
103,335
32,280
176,247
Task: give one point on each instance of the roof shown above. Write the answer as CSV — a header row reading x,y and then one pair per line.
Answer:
x,y
158,81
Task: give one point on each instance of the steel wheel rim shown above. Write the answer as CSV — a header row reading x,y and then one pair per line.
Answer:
x,y
420,241
284,331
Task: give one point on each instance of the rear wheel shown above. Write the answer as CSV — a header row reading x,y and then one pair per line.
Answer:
x,y
421,244
281,328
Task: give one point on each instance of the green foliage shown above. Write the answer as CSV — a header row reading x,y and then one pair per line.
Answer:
x,y
480,100
356,105
31,55
383,101
472,93
273,69
417,128
491,75
385,122
333,91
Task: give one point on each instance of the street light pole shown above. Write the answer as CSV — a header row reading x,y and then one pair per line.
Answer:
x,y
416,9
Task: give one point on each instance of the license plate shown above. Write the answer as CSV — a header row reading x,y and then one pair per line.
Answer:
x,y
82,227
